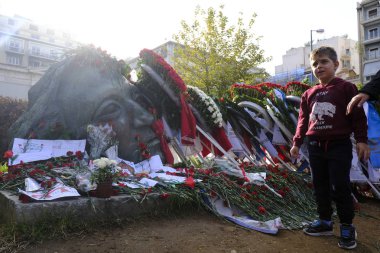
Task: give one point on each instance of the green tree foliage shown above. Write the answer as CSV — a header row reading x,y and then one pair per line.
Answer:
x,y
215,54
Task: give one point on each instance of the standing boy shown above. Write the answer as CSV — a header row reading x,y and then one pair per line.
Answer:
x,y
322,117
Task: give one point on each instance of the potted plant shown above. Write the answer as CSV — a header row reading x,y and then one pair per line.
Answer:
x,y
105,171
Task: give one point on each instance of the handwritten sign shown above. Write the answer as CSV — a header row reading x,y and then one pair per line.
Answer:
x,y
29,150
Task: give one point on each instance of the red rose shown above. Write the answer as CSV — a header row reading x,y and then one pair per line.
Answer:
x,y
8,154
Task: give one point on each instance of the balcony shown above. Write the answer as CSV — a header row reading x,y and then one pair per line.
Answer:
x,y
372,39
14,49
44,55
370,19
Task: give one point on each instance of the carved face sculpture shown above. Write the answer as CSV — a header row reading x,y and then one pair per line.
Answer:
x,y
78,94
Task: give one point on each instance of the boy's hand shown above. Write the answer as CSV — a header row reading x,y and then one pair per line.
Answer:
x,y
363,151
294,152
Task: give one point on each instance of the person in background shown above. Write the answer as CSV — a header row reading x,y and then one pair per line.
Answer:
x,y
370,91
323,119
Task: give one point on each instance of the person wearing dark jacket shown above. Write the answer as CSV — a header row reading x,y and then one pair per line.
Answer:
x,y
322,118
370,91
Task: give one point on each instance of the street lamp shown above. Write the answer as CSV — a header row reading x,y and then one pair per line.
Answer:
x,y
311,48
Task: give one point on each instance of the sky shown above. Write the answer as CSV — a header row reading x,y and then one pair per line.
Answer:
x,y
124,27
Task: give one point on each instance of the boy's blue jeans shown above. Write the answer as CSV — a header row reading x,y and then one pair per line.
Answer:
x,y
330,162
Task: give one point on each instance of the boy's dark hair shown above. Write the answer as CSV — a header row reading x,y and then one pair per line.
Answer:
x,y
324,50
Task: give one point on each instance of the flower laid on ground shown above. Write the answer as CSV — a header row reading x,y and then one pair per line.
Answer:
x,y
105,170
44,172
293,202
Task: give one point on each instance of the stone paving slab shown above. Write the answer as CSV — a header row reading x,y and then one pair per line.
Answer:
x,y
122,206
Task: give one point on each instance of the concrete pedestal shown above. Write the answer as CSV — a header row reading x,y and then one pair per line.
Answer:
x,y
121,206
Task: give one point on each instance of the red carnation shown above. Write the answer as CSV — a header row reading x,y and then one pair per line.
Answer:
x,y
262,210
164,195
190,182
8,154
282,193
79,155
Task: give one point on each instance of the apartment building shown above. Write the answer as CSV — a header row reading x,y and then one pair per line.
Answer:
x,y
296,65
27,50
165,50
368,16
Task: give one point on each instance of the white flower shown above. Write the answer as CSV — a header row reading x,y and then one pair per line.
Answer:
x,y
210,109
100,163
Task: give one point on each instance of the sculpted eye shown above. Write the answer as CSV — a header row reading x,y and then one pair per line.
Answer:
x,y
107,111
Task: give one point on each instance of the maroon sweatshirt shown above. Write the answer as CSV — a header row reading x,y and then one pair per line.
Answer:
x,y
322,114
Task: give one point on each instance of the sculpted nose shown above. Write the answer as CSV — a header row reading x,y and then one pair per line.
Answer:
x,y
141,116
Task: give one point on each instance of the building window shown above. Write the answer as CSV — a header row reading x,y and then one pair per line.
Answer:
x,y
348,51
35,50
14,45
11,21
34,64
373,53
14,60
346,64
53,54
372,13
372,33
35,36
33,27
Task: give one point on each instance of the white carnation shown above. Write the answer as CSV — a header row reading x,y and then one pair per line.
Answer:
x,y
100,163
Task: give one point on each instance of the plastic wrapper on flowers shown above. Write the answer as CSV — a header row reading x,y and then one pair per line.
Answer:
x,y
285,194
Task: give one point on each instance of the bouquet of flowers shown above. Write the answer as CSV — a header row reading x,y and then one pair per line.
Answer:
x,y
100,139
105,170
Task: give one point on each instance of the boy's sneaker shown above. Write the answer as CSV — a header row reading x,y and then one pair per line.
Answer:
x,y
347,236
319,228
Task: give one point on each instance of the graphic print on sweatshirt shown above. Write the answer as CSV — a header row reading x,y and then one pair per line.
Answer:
x,y
319,112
